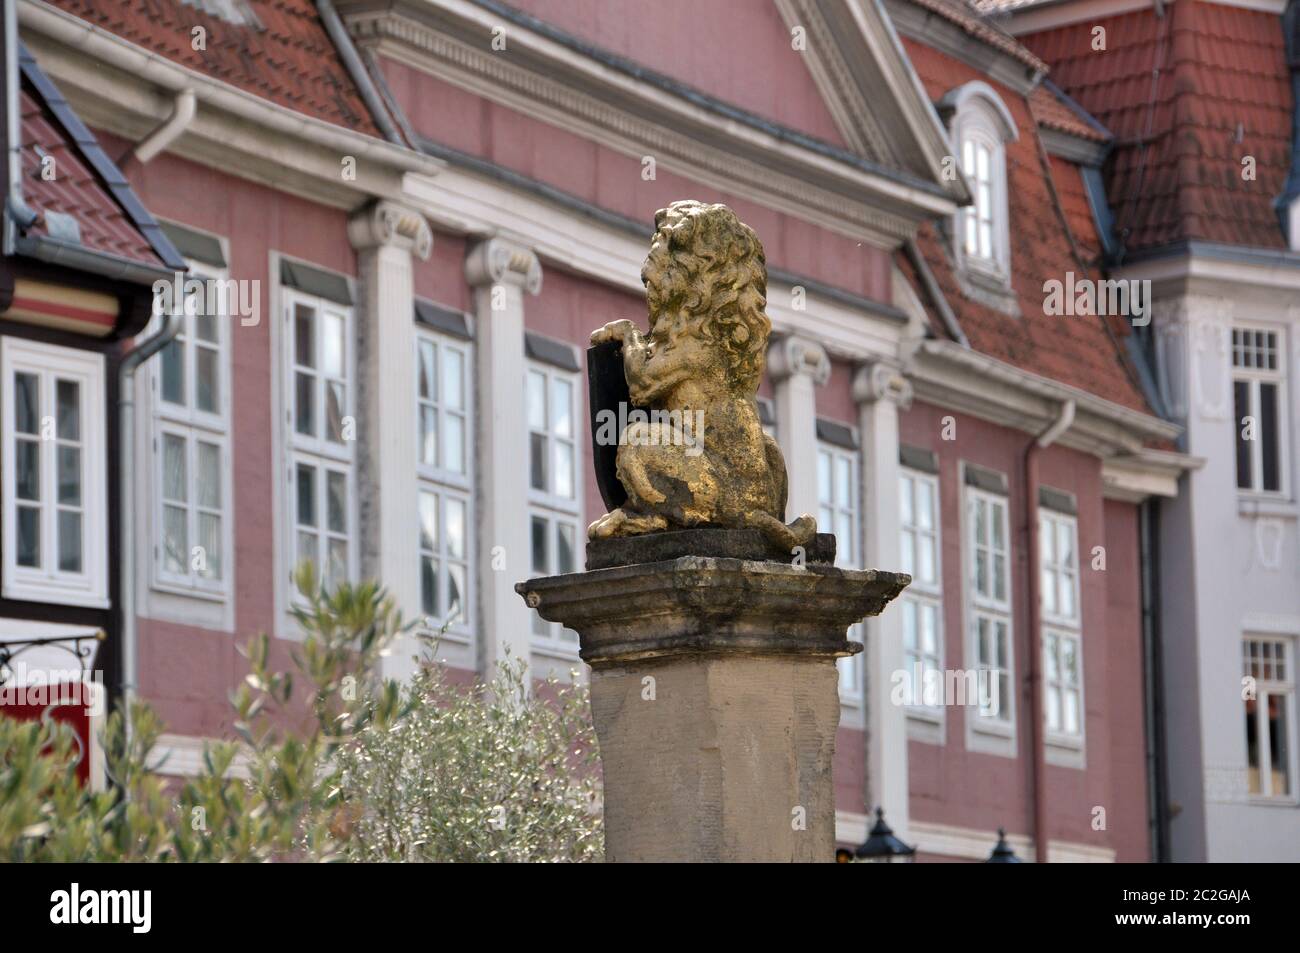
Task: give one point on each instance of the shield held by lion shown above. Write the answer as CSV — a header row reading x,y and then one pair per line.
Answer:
x,y
695,455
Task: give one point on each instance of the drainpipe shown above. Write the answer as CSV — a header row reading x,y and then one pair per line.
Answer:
x,y
18,215
357,70
131,362
182,113
1037,732
1153,682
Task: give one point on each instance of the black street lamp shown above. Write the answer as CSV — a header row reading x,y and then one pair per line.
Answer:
x,y
882,847
1002,852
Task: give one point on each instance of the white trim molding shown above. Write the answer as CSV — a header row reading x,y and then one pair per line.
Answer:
x,y
84,443
115,85
959,378
551,80
973,844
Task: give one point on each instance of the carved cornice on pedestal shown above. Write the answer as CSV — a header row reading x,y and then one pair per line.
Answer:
x,y
879,380
497,261
388,223
795,355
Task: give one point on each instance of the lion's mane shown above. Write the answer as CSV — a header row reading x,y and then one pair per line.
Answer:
x,y
706,260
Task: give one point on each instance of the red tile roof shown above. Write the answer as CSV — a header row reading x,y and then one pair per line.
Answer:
x,y
1222,94
288,59
64,171
964,15
1083,352
1054,112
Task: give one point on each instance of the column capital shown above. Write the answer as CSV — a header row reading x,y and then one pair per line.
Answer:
x,y
496,260
881,380
388,223
793,355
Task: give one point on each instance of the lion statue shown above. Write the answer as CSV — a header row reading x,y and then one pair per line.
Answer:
x,y
701,459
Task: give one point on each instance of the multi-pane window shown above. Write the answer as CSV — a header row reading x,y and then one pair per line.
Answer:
x,y
1270,717
554,542
551,398
444,560
190,446
1058,565
320,393
978,156
921,601
552,448
191,500
837,502
444,422
1259,405
989,564
1062,691
55,532
837,512
443,404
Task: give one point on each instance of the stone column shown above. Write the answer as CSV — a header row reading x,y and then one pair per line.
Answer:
x,y
714,694
880,389
797,366
386,235
500,272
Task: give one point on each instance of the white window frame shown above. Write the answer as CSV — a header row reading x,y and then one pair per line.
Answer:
x,y
443,484
850,509
985,606
549,638
47,583
981,117
193,425
1059,626
1253,377
1267,684
922,594
318,451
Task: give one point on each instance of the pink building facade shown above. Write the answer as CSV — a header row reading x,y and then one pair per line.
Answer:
x,y
427,207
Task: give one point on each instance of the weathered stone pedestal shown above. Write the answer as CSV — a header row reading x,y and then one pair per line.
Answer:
x,y
714,692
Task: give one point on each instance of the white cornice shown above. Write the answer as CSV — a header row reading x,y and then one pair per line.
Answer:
x,y
951,840
871,88
466,203
1035,18
552,82
927,27
843,96
126,89
1136,477
950,375
1225,265
1072,148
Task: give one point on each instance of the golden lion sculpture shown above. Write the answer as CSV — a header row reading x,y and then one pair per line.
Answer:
x,y
706,461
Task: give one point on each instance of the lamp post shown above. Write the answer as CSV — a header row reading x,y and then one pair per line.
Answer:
x,y
882,847
1002,852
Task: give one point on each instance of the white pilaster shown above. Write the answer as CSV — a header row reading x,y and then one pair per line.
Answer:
x,y
500,272
797,366
880,389
386,235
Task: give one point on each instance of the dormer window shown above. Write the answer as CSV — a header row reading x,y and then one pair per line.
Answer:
x,y
981,126
977,161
